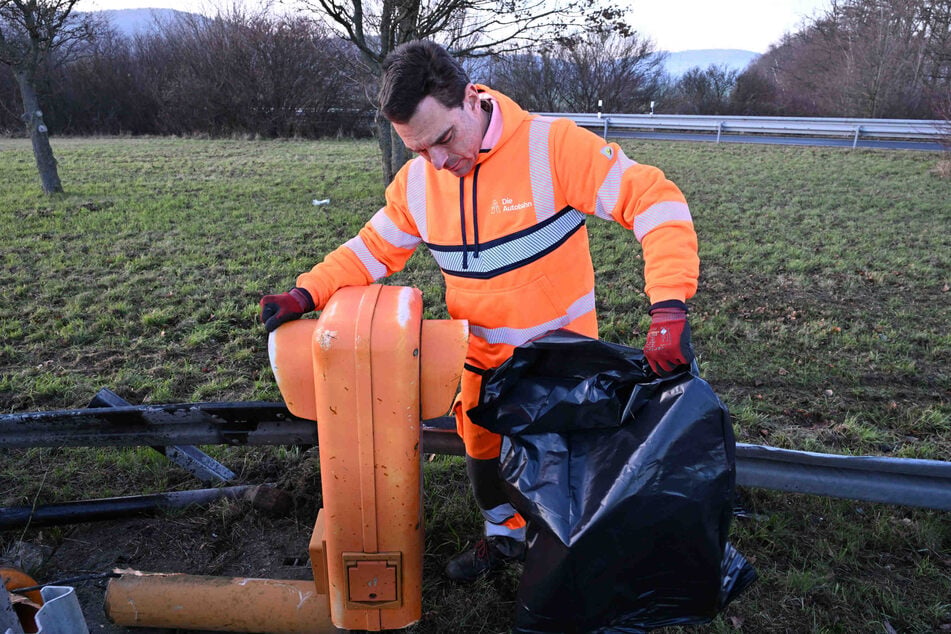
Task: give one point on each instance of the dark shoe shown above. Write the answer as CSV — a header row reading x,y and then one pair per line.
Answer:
x,y
488,554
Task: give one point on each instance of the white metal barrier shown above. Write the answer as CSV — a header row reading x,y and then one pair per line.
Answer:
x,y
855,129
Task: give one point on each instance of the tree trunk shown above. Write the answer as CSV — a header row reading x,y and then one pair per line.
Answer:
x,y
398,153
39,135
391,148
403,29
385,139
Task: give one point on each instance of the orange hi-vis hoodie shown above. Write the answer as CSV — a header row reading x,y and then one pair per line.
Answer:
x,y
511,241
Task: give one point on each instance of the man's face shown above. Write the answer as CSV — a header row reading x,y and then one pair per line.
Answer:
x,y
449,138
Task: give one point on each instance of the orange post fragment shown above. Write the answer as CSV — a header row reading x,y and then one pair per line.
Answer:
x,y
221,604
442,355
289,349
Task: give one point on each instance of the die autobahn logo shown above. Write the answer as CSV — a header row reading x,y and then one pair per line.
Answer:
x,y
507,205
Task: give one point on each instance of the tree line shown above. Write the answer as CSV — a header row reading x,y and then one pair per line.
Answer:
x,y
863,58
234,74
313,73
259,74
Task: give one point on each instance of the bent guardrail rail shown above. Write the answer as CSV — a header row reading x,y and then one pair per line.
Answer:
x,y
848,128
900,481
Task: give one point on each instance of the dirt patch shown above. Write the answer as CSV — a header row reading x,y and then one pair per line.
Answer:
x,y
231,538
245,545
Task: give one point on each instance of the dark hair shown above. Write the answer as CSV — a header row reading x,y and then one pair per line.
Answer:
x,y
416,70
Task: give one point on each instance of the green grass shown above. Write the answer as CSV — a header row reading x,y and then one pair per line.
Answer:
x,y
822,321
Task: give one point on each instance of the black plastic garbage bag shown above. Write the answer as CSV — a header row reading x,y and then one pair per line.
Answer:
x,y
627,484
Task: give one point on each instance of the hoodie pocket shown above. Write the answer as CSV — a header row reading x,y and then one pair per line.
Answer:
x,y
494,306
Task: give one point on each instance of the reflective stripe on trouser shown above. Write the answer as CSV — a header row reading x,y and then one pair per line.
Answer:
x,y
501,517
504,520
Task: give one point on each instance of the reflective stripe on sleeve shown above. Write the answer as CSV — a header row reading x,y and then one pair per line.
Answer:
x,y
610,189
376,268
499,256
391,233
658,214
539,169
416,194
518,336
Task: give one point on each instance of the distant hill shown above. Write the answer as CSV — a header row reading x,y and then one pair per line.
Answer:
x,y
132,22
734,59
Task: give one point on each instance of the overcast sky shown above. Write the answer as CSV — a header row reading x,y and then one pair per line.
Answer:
x,y
752,25
674,25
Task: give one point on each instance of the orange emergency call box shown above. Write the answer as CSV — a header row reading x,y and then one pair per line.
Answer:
x,y
368,371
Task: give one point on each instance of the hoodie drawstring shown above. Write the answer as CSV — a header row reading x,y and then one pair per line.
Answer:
x,y
475,217
462,222
475,210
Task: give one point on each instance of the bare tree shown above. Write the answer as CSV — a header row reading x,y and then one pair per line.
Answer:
x,y
619,71
865,58
622,72
248,73
753,94
104,91
466,27
10,119
533,79
706,91
30,30
943,108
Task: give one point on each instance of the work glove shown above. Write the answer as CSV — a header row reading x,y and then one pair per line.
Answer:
x,y
668,339
277,309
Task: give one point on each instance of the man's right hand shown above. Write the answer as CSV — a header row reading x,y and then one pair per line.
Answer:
x,y
277,309
668,339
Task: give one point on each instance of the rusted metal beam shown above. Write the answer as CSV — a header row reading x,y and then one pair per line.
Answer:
x,y
248,423
244,423
114,508
902,481
188,457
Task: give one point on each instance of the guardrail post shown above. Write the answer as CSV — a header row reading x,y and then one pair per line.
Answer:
x,y
604,135
719,129
855,140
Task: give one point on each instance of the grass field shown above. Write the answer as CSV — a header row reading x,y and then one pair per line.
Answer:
x,y
823,321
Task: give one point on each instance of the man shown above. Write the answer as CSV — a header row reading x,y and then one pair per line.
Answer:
x,y
500,197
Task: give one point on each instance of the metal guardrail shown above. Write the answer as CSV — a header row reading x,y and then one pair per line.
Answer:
x,y
890,129
902,481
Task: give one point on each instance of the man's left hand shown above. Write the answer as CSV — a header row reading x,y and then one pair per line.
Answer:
x,y
668,339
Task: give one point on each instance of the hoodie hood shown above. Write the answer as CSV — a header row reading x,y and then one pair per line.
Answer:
x,y
512,117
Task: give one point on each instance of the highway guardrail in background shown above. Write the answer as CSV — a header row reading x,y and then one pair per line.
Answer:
x,y
888,129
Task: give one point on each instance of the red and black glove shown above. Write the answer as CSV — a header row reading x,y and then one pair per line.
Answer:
x,y
668,339
277,309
